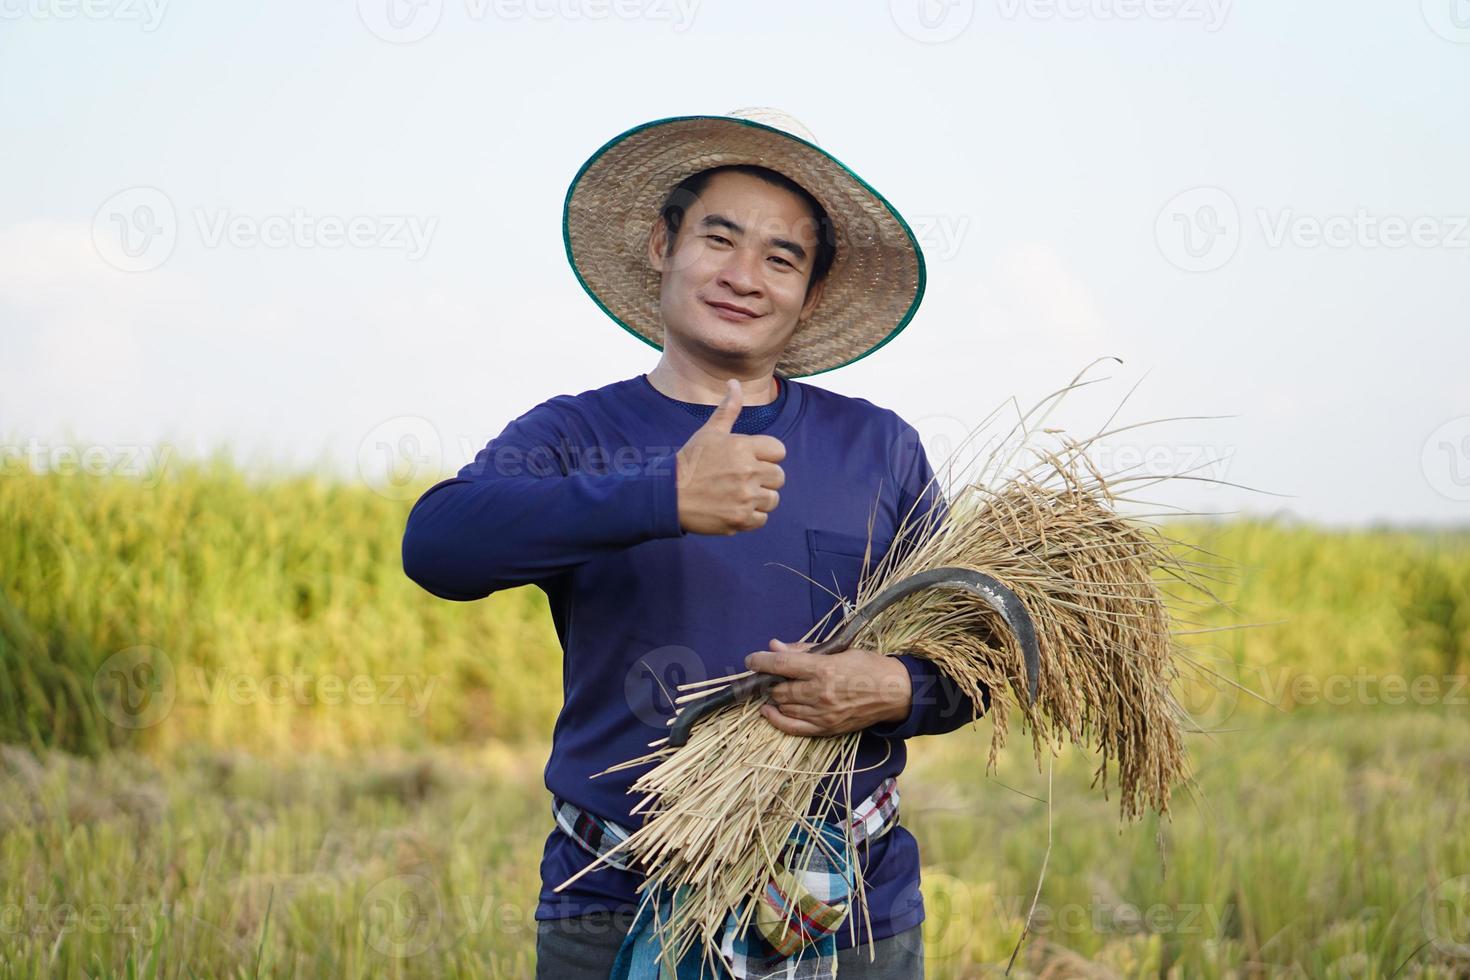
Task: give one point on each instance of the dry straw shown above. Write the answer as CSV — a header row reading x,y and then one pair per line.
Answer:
x,y
1098,587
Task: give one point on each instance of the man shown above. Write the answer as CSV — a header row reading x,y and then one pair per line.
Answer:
x,y
664,516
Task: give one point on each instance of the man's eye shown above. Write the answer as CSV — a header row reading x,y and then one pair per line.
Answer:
x,y
783,261
718,238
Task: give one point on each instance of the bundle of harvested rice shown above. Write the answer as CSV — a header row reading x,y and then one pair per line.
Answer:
x,y
723,806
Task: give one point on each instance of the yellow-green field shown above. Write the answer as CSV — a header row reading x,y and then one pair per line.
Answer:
x,y
238,742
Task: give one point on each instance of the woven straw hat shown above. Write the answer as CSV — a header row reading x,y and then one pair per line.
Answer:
x,y
877,276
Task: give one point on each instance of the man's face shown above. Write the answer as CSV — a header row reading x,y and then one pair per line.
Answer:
x,y
734,287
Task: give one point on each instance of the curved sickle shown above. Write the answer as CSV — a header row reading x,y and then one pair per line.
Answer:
x,y
997,596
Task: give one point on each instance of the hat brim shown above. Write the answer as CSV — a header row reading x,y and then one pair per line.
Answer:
x,y
873,288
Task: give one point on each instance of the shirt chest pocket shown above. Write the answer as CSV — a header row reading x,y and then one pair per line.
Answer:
x,y
836,560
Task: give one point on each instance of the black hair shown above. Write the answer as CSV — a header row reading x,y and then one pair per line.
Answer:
x,y
690,187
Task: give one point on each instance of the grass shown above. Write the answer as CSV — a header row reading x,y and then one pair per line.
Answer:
x,y
261,600
1317,849
1327,845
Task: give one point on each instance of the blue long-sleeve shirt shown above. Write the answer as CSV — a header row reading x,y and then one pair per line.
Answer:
x,y
578,497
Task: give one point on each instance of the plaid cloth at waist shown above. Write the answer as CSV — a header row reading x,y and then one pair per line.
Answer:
x,y
872,817
801,908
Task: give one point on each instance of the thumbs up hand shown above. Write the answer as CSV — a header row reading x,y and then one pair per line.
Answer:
x,y
727,482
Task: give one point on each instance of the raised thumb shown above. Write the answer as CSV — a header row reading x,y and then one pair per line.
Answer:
x,y
728,410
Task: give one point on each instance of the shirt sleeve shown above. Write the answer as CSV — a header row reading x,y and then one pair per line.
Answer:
x,y
524,510
919,497
938,705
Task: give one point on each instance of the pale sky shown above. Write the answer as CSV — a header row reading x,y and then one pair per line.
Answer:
x,y
1260,208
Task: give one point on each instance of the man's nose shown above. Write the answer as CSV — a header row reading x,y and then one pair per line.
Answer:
x,y
741,270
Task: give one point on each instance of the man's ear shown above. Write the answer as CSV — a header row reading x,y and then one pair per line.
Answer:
x,y
813,297
658,241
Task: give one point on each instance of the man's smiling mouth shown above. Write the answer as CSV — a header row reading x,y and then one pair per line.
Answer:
x,y
729,311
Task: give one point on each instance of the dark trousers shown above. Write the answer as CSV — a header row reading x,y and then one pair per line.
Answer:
x,y
583,947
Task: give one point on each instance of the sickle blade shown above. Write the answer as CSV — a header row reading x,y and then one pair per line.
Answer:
x,y
995,595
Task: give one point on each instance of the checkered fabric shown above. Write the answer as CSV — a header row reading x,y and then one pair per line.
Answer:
x,y
795,924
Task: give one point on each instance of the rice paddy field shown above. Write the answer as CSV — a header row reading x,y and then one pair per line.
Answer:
x,y
236,741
